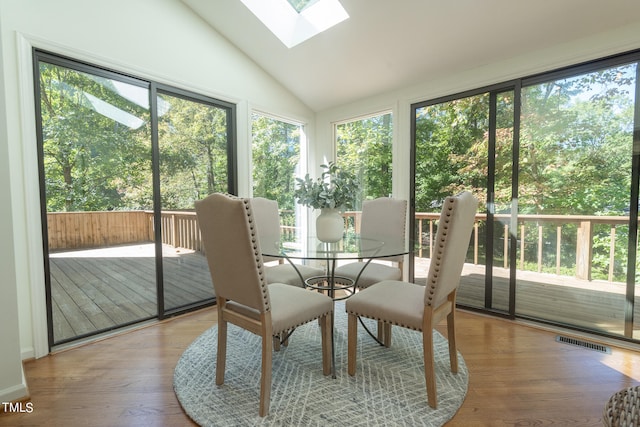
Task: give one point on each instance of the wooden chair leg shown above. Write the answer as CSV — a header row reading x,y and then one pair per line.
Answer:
x,y
267,355
221,356
451,333
352,344
387,335
326,344
429,368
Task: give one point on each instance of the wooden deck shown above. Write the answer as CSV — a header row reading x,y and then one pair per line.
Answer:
x,y
101,289
596,305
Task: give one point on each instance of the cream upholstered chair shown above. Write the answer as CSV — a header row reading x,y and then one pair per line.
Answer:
x,y
422,307
267,218
243,297
384,218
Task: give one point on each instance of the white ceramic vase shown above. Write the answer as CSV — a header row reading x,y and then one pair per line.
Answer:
x,y
329,225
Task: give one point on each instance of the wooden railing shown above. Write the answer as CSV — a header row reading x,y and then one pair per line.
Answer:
x,y
73,230
180,230
584,237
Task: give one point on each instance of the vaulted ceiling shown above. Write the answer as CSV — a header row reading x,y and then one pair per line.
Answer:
x,y
387,45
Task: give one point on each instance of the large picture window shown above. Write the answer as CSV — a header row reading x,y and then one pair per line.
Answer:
x,y
276,158
364,147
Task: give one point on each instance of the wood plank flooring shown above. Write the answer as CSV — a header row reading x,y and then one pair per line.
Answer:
x,y
519,376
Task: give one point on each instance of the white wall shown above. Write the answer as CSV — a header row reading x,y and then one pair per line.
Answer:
x,y
156,39
12,385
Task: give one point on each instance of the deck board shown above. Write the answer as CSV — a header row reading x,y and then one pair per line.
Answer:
x,y
101,289
597,304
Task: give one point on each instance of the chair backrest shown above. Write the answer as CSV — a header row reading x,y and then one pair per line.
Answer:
x,y
385,219
451,244
233,250
267,217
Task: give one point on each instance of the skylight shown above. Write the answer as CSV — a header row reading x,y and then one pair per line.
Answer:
x,y
300,5
294,21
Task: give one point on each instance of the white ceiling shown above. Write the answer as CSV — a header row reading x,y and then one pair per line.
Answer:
x,y
392,44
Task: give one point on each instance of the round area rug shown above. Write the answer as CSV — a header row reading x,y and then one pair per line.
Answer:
x,y
388,388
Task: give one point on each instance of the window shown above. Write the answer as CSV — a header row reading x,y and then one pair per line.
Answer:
x,y
276,147
364,146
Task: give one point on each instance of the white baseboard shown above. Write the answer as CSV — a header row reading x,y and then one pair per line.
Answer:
x,y
16,392
27,354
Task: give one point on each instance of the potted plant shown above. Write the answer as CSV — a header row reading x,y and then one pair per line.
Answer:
x,y
334,191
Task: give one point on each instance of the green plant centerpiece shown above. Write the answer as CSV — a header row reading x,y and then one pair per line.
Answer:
x,y
334,191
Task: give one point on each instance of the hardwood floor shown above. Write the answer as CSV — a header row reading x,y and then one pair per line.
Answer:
x,y
519,376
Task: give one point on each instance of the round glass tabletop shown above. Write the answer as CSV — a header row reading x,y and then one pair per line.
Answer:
x,y
350,247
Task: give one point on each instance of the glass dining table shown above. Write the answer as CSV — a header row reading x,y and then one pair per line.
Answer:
x,y
350,248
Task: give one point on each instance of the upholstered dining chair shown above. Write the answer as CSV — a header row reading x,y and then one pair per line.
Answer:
x,y
232,245
384,219
267,218
421,307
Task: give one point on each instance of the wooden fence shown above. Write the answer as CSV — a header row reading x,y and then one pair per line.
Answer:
x,y
73,230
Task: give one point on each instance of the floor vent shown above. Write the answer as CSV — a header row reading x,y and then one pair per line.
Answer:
x,y
584,344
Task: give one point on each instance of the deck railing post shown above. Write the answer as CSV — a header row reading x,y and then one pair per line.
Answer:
x,y
558,248
506,246
584,245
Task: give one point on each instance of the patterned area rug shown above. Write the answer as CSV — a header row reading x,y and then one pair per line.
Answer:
x,y
387,390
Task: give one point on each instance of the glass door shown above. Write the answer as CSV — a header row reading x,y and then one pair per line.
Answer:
x,y
122,162
501,208
95,155
465,144
193,136
575,168
555,163
451,156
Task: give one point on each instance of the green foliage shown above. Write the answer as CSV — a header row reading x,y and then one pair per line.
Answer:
x,y
574,159
445,135
97,145
95,142
364,147
193,152
275,156
336,188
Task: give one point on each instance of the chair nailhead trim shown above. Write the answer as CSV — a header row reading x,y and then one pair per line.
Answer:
x,y
257,254
437,258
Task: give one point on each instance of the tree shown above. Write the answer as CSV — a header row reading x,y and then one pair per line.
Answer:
x,y
364,147
575,150
275,154
447,135
95,141
193,151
